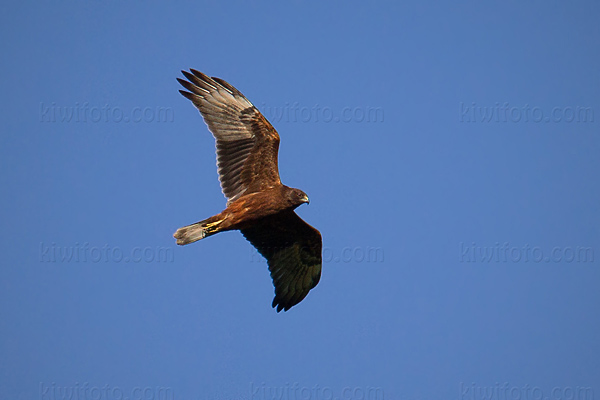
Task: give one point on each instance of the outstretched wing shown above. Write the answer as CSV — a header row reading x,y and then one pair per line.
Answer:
x,y
293,252
247,144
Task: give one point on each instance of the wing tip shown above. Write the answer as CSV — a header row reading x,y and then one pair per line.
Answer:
x,y
188,76
188,95
199,74
279,305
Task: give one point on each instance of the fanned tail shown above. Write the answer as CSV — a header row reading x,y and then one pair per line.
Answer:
x,y
194,232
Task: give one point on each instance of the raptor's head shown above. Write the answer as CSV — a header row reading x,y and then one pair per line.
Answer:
x,y
296,197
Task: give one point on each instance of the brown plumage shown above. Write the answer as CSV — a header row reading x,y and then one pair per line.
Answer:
x,y
258,204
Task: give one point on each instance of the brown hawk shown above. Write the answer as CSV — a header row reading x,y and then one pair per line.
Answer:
x,y
258,204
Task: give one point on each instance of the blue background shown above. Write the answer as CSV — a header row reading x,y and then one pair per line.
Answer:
x,y
426,188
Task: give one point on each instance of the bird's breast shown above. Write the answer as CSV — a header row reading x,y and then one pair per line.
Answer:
x,y
255,206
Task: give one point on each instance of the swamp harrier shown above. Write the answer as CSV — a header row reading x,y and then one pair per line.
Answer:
x,y
258,204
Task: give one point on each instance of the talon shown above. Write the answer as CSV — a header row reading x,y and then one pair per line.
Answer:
x,y
213,224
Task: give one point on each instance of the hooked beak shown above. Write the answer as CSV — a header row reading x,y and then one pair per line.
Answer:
x,y
305,200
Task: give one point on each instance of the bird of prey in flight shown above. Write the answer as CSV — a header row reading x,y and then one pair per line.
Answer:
x,y
258,204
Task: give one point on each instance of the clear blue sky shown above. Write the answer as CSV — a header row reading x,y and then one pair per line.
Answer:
x,y
450,151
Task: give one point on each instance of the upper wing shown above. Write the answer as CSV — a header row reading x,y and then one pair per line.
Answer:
x,y
293,251
247,144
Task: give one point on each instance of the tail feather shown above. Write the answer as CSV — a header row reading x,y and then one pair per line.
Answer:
x,y
194,232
